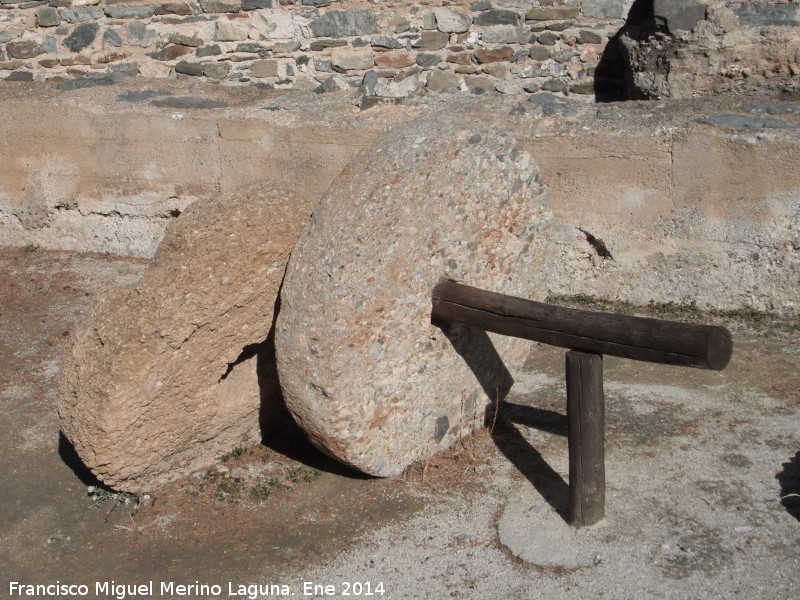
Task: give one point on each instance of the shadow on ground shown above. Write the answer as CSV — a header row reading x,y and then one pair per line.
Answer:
x,y
789,479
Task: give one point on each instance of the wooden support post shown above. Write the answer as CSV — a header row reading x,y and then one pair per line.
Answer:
x,y
589,335
586,418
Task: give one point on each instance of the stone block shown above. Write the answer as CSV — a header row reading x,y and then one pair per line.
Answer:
x,y
210,50
495,69
130,12
384,41
216,70
490,55
393,60
767,15
363,371
440,81
344,23
505,34
397,23
185,40
20,76
81,37
82,13
274,24
449,20
24,49
428,59
679,15
220,6
187,68
589,37
48,17
112,38
174,8
334,83
257,4
547,38
319,45
264,68
604,9
539,53
155,70
481,82
352,59
287,47
399,89
171,52
497,16
431,40
551,13
172,372
228,31
460,58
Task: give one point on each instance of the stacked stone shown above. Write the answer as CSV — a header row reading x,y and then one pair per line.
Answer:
x,y
312,44
508,46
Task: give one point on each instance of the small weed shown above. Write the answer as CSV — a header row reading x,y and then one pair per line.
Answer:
x,y
260,493
100,494
229,491
303,474
233,454
30,248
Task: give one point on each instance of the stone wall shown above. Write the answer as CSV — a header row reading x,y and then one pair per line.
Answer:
x,y
393,49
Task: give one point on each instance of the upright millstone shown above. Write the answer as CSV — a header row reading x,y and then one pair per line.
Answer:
x,y
167,375
363,370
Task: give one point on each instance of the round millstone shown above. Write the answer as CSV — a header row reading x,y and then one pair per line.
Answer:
x,y
362,369
167,375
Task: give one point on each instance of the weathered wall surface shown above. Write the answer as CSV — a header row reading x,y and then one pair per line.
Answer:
x,y
696,201
512,46
105,170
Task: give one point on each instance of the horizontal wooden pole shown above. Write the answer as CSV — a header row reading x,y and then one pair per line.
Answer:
x,y
638,338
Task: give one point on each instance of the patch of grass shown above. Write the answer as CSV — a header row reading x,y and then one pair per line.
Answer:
x,y
303,474
104,497
102,494
228,490
233,454
260,493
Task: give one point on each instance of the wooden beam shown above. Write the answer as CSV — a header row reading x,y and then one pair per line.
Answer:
x,y
586,417
638,338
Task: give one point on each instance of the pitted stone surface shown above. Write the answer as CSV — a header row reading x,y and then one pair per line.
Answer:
x,y
164,377
362,369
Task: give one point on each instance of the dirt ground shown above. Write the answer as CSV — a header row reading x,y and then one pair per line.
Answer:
x,y
703,472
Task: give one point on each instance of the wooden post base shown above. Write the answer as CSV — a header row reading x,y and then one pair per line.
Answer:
x,y
586,418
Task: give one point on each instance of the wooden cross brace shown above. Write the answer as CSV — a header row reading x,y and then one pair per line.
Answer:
x,y
588,335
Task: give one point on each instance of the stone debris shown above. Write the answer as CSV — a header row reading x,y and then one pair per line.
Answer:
x,y
174,371
362,369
